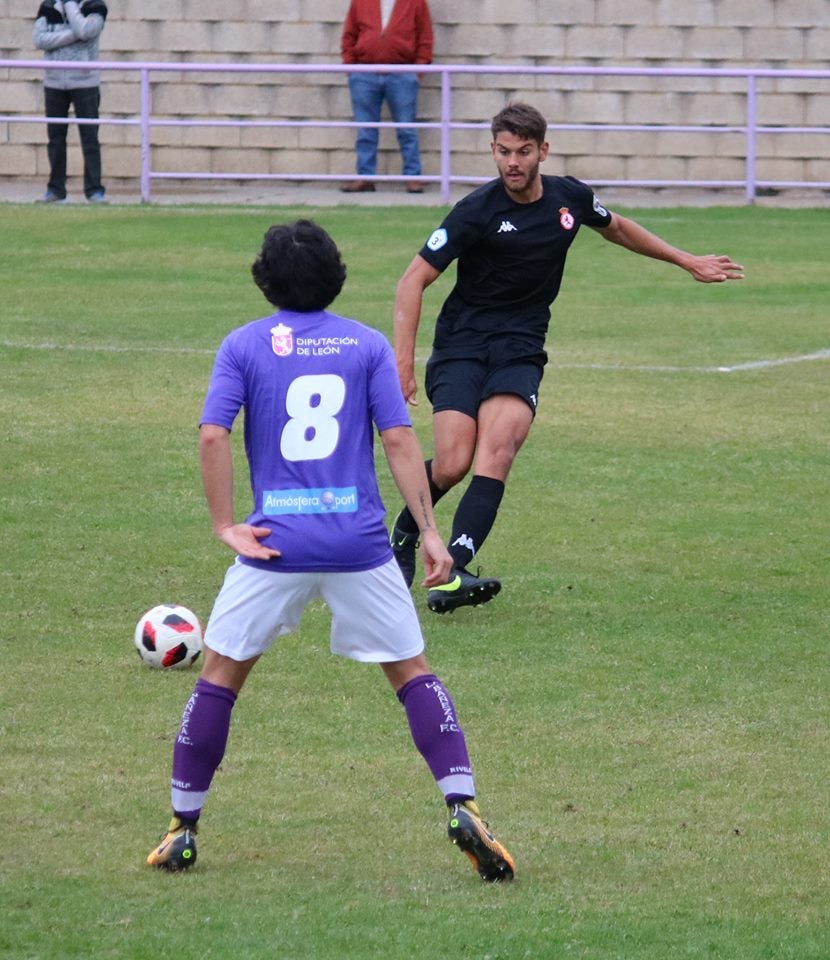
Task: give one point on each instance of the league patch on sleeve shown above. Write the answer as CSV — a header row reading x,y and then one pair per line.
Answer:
x,y
438,239
599,208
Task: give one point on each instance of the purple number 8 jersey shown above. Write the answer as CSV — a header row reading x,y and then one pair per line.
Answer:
x,y
313,387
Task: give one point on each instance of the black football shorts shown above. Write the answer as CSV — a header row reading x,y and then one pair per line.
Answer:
x,y
464,385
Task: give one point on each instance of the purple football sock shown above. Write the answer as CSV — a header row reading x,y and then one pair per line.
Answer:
x,y
438,736
200,746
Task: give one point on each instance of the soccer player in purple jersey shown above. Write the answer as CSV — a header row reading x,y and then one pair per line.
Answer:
x,y
510,237
313,385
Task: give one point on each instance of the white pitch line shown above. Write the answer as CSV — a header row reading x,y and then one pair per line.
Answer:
x,y
756,364
735,368
103,348
612,367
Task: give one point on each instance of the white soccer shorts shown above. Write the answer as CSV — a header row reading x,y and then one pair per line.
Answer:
x,y
373,618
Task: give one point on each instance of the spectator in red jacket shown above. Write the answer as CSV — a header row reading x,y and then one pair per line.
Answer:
x,y
386,32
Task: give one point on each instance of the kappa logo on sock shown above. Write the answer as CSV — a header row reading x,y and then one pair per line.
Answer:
x,y
465,541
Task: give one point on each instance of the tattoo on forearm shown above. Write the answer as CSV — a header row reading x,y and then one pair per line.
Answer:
x,y
425,518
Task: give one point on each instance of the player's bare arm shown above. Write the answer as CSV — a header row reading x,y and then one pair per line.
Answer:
x,y
709,268
407,315
406,462
216,462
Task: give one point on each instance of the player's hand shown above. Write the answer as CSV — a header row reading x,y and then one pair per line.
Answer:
x,y
244,539
437,561
715,268
409,385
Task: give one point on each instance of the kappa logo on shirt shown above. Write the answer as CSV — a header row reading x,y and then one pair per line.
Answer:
x,y
506,227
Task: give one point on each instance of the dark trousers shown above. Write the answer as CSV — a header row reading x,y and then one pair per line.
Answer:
x,y
85,102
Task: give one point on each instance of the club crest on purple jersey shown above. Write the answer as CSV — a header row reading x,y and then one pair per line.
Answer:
x,y
282,340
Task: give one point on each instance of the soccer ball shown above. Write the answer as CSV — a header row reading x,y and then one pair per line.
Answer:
x,y
168,637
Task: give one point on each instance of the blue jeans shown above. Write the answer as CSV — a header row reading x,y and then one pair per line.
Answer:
x,y
400,90
86,101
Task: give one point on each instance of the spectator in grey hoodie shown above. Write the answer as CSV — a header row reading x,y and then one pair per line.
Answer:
x,y
68,30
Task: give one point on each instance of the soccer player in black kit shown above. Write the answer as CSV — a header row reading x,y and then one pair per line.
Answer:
x,y
510,238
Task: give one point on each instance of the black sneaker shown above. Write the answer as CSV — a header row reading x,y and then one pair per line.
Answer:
x,y
177,851
470,834
463,590
404,546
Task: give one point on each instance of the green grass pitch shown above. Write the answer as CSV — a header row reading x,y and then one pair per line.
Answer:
x,y
646,702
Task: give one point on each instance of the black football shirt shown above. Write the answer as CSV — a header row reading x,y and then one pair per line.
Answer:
x,y
511,257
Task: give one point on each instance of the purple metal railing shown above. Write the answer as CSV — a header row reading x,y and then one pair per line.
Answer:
x,y
446,178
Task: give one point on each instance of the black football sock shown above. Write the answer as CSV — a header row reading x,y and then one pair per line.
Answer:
x,y
406,522
190,822
474,518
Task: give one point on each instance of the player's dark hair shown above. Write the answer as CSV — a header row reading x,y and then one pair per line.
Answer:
x,y
299,267
521,120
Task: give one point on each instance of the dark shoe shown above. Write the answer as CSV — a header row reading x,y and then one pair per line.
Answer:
x,y
470,834
414,186
358,186
51,197
463,590
404,546
177,851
